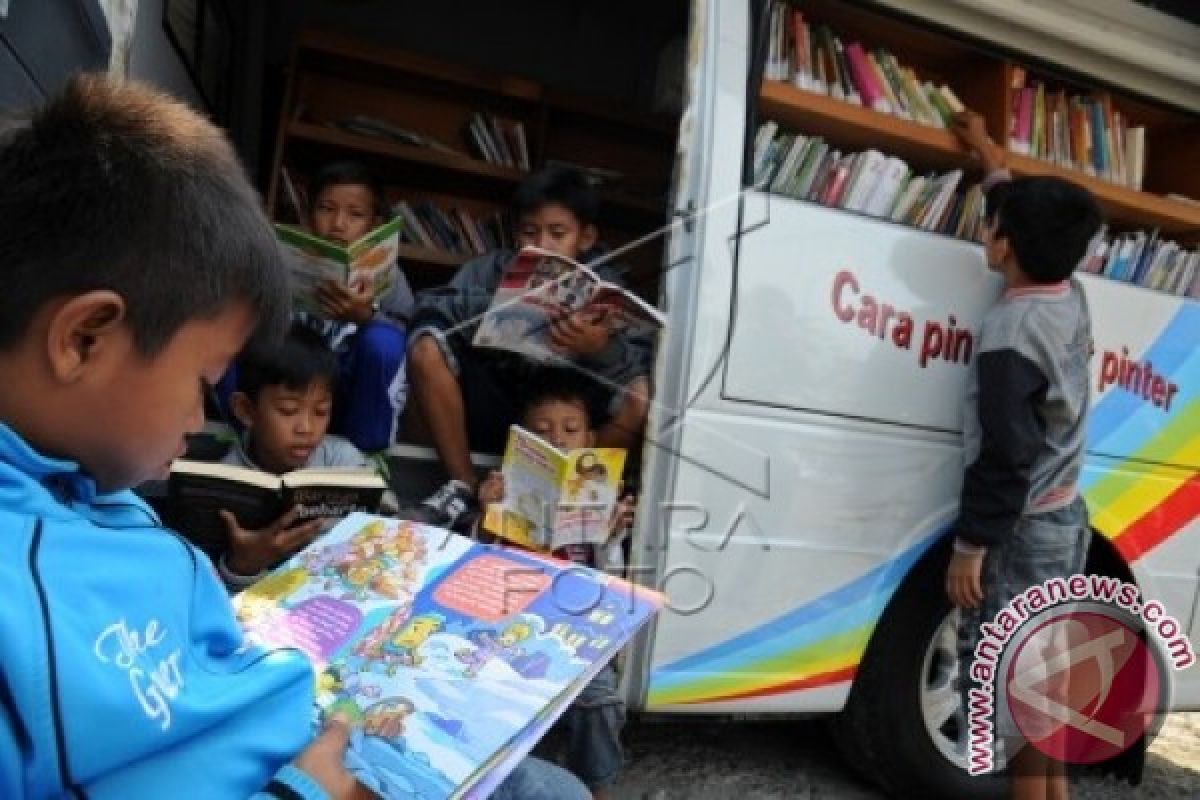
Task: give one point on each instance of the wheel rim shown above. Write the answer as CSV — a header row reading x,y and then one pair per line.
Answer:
x,y
941,701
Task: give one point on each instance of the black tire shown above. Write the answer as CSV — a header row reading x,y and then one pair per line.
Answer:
x,y
882,731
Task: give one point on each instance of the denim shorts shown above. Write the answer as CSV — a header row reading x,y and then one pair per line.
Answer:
x,y
588,735
534,779
1053,544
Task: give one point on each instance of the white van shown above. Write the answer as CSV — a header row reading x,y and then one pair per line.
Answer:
x,y
804,466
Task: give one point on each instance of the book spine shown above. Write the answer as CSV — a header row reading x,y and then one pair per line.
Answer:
x,y
848,90
802,76
864,79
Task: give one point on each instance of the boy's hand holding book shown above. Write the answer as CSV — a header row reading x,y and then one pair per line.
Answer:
x,y
345,303
579,333
252,552
323,762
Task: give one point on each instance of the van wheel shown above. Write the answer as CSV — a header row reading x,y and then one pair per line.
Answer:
x,y
904,719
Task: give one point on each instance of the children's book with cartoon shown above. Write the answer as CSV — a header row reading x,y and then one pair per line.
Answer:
x,y
365,265
452,657
554,498
537,286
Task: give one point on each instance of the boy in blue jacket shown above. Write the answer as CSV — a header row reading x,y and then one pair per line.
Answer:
x,y
136,264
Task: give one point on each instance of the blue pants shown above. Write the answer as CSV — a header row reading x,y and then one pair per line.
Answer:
x,y
371,388
534,779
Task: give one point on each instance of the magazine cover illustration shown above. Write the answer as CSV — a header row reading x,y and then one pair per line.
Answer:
x,y
366,266
451,657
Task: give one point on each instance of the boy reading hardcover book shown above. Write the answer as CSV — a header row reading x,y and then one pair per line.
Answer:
x,y
364,265
451,656
538,287
198,491
553,497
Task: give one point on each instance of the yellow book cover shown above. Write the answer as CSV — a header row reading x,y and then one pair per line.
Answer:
x,y
553,498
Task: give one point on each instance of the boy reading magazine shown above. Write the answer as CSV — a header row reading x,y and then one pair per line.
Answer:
x,y
468,395
555,497
365,265
538,287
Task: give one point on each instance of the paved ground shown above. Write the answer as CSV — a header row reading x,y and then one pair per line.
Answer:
x,y
775,760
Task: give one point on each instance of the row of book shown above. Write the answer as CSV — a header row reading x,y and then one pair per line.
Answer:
x,y
808,168
499,141
1079,132
818,60
1146,260
453,231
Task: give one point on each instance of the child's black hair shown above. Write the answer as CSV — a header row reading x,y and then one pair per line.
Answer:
x,y
298,361
558,185
1048,222
119,187
350,173
562,384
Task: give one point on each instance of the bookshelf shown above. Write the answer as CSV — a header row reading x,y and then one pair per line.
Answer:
x,y
334,78
983,79
861,128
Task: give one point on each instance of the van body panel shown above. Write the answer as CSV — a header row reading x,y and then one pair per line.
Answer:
x,y
854,438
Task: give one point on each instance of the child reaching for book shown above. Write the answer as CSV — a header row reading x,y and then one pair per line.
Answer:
x,y
467,396
557,410
1022,521
137,263
284,402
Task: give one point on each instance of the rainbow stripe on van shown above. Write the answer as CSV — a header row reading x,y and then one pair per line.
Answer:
x,y
1142,487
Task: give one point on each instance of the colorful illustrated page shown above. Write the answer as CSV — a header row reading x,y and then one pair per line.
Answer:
x,y
443,651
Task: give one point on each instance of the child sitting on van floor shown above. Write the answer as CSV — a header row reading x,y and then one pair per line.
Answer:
x,y
466,397
369,337
557,410
1022,520
284,401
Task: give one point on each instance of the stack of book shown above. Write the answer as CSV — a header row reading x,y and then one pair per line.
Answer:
x,y
816,59
454,230
808,168
1146,260
1080,132
499,141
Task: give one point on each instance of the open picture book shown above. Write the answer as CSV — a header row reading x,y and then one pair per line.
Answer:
x,y
450,657
553,498
364,265
538,285
198,490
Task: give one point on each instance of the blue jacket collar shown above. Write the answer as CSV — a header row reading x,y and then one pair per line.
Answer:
x,y
37,484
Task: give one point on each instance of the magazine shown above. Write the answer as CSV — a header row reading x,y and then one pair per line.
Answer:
x,y
198,490
450,656
553,498
537,286
365,265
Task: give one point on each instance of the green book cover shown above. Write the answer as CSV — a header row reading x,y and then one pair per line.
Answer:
x,y
364,265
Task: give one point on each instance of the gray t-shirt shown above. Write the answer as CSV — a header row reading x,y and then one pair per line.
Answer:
x,y
332,451
1025,424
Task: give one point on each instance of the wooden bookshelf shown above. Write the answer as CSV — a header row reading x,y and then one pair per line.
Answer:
x,y
1125,206
983,80
858,128
854,127
334,77
428,257
344,144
